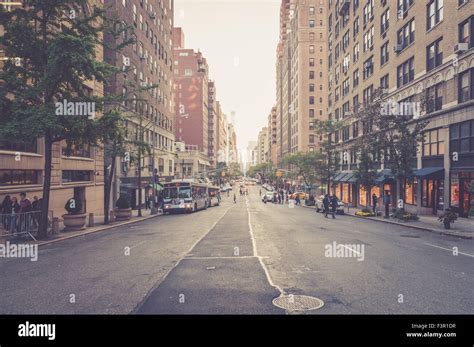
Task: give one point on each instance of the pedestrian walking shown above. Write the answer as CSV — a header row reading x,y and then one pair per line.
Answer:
x,y
374,203
326,204
235,198
297,200
334,205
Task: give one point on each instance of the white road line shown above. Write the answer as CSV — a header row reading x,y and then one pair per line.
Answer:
x,y
255,252
449,249
236,257
179,261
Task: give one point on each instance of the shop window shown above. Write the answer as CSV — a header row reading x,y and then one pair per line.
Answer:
x,y
410,192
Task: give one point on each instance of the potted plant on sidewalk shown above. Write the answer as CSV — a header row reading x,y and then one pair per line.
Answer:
x,y
75,219
447,218
123,209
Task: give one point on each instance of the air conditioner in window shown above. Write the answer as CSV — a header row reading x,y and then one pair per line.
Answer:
x,y
461,47
397,48
152,15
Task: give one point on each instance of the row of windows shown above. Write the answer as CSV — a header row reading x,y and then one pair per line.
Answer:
x,y
27,177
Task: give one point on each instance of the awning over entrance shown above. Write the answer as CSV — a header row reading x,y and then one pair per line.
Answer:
x,y
339,176
430,172
384,175
349,178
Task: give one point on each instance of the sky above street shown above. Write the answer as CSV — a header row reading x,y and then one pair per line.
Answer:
x,y
238,39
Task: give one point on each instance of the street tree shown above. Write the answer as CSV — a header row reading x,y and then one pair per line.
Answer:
x,y
328,168
394,129
53,48
306,165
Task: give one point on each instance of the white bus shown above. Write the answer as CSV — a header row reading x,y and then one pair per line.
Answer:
x,y
185,196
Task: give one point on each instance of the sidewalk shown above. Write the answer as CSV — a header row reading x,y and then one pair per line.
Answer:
x,y
462,227
99,226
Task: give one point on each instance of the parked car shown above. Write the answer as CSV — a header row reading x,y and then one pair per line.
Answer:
x,y
320,206
269,196
225,189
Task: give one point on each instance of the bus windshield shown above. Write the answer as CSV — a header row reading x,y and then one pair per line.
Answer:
x,y
170,193
184,193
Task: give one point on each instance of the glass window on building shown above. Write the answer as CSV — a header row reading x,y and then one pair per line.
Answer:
x,y
362,196
346,197
29,146
19,177
69,176
432,194
410,192
433,143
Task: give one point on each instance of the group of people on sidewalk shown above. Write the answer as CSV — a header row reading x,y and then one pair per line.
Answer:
x,y
16,214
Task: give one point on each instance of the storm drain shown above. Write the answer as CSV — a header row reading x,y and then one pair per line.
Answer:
x,y
298,302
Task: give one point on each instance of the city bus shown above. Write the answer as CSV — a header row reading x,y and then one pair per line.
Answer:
x,y
185,196
214,196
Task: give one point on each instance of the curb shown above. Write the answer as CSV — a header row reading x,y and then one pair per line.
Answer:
x,y
107,227
447,233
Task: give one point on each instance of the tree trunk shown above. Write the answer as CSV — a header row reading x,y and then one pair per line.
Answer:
x,y
139,183
48,151
108,188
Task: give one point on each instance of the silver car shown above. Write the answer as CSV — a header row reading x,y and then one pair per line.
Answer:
x,y
320,205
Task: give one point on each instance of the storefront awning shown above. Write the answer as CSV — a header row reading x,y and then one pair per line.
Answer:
x,y
351,178
340,177
384,175
430,172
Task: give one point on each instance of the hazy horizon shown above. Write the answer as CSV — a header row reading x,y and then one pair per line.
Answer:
x,y
238,39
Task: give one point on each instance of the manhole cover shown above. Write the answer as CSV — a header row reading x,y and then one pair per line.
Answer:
x,y
298,302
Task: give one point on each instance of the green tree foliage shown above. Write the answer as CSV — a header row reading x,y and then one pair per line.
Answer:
x,y
53,48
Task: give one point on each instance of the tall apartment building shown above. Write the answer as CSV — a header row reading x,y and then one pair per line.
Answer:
x,y
222,138
272,136
262,146
212,123
147,62
233,156
78,174
252,150
301,74
282,83
191,96
408,48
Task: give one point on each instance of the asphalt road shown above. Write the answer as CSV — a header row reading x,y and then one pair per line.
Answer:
x,y
237,259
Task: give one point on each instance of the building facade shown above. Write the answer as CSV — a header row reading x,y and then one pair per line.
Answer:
x,y
301,75
263,146
191,96
272,136
409,49
77,173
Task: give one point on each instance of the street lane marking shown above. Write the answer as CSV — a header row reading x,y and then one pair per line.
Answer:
x,y
145,298
236,257
255,252
448,249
